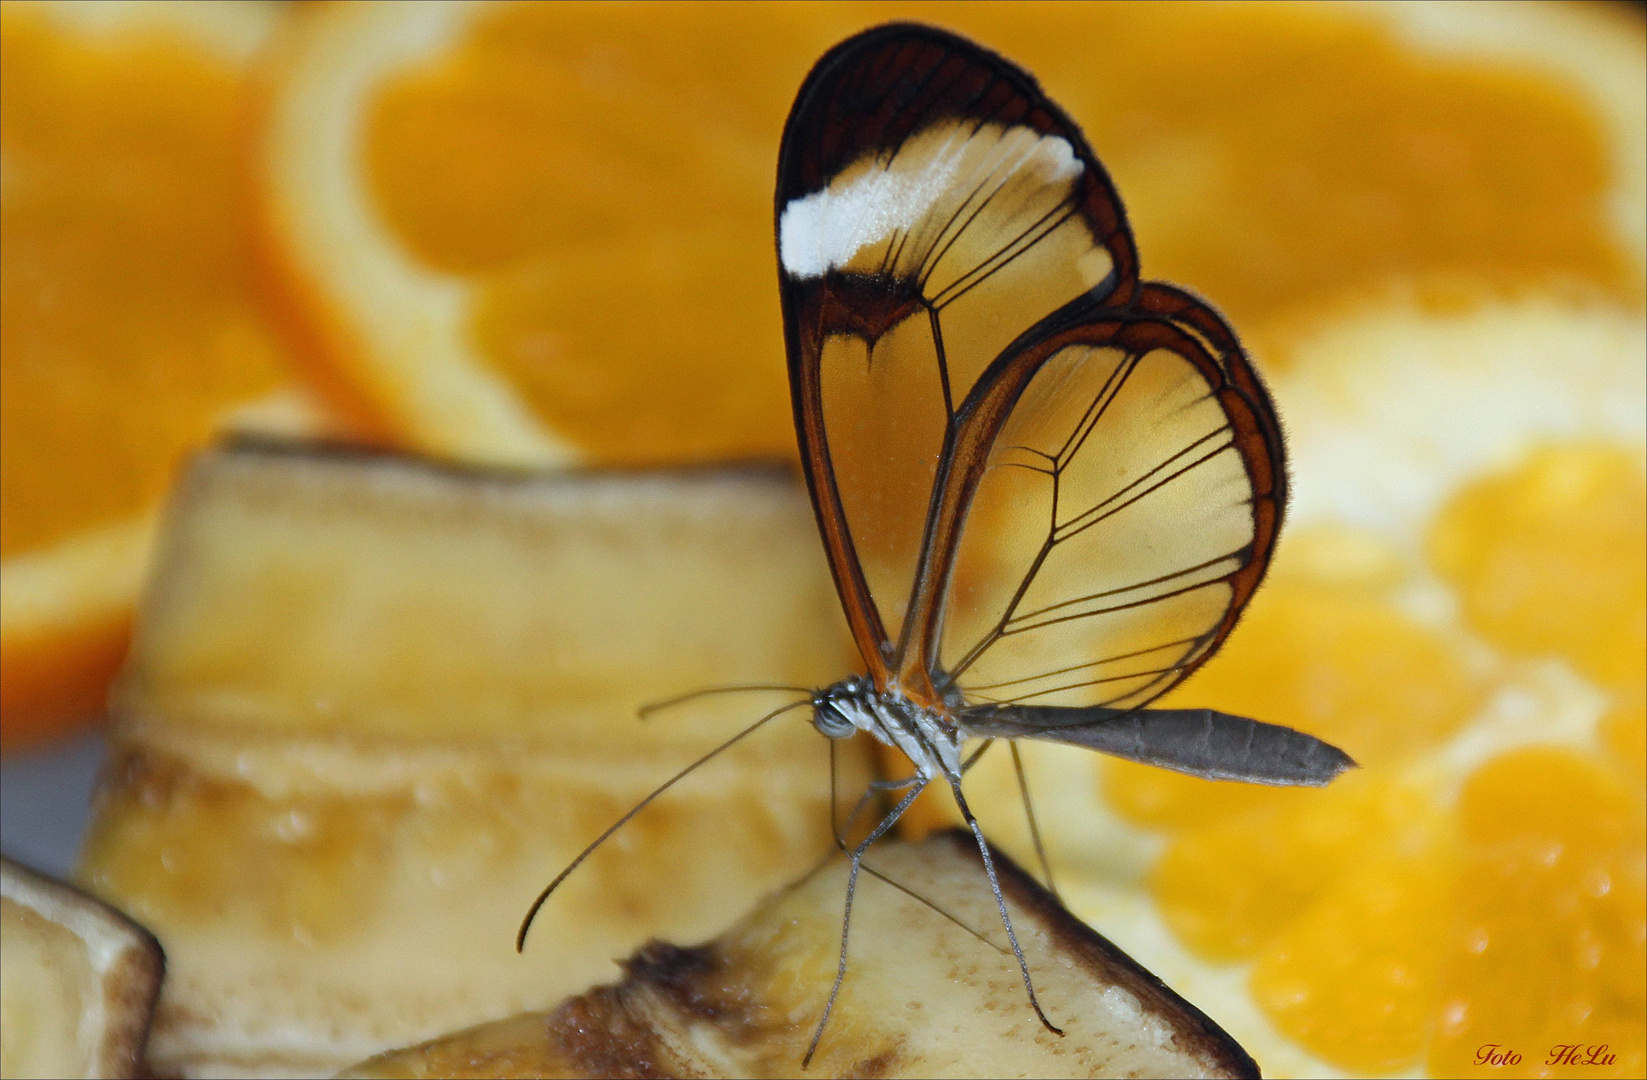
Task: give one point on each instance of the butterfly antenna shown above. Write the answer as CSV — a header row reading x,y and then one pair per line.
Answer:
x,y
526,924
658,706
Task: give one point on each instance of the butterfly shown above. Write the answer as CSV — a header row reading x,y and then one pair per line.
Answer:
x,y
1046,488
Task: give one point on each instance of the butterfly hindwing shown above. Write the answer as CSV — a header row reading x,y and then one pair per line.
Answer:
x,y
1120,516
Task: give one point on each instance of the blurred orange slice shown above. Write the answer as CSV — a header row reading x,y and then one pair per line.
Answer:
x,y
535,233
128,328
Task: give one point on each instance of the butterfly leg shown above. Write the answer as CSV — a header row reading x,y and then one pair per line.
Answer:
x,y
856,855
876,787
880,787
840,843
1034,829
1000,902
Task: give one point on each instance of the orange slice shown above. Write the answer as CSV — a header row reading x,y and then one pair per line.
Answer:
x,y
540,233
128,321
555,303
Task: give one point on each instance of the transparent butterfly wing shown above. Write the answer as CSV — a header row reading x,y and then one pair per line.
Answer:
x,y
1122,514
933,209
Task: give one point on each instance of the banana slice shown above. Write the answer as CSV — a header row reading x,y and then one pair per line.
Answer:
x,y
922,996
78,981
374,705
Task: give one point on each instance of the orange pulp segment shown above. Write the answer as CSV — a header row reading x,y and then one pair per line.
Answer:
x,y
1330,658
1550,558
128,320
1354,978
1550,946
129,323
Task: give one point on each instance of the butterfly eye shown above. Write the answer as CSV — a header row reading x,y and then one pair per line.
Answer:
x,y
830,721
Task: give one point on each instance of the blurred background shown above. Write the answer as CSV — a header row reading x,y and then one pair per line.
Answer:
x,y
540,236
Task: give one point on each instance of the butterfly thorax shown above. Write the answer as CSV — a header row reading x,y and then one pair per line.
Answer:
x,y
928,738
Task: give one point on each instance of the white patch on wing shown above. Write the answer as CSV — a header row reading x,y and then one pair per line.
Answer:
x,y
871,200
825,229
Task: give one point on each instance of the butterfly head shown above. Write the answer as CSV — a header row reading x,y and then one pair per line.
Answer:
x,y
836,710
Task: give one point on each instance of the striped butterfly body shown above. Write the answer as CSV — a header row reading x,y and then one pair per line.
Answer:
x,y
1046,487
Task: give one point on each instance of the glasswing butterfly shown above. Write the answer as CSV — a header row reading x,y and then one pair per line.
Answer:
x,y
1046,488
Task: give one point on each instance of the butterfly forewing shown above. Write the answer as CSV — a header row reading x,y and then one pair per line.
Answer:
x,y
1039,480
932,208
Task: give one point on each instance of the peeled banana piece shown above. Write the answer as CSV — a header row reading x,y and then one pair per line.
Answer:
x,y
922,995
78,981
374,705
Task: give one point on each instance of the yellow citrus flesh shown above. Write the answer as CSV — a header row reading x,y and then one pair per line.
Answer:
x,y
1548,947
1226,888
1338,664
596,181
1624,734
1328,655
1546,558
1281,160
613,173
1549,560
1353,979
